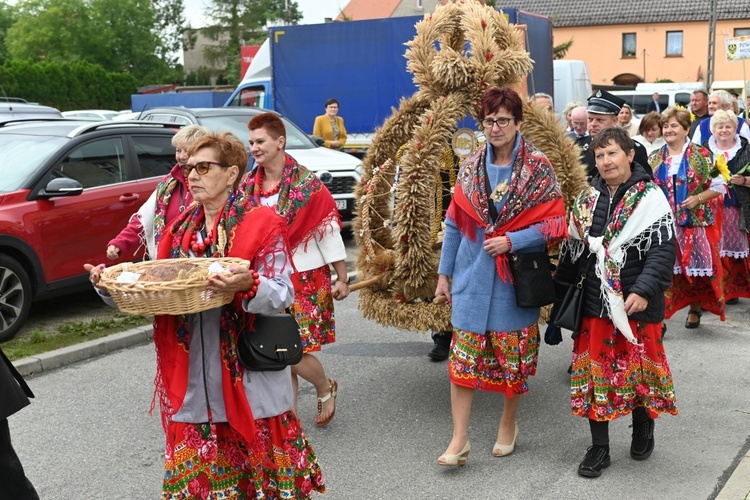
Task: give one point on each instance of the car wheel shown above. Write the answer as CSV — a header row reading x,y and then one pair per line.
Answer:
x,y
15,297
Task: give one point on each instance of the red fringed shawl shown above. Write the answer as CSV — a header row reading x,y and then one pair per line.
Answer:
x,y
304,202
253,232
534,197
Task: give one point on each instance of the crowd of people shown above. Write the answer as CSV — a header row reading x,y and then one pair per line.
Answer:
x,y
662,225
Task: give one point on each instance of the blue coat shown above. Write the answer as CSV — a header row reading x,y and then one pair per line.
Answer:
x,y
481,301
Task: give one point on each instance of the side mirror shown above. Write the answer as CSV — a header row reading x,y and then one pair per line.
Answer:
x,y
319,141
61,187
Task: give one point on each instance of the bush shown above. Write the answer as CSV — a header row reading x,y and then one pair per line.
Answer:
x,y
65,86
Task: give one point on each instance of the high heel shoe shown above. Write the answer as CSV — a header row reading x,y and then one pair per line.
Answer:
x,y
459,458
503,450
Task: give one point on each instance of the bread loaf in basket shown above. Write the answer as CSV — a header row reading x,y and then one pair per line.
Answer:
x,y
169,286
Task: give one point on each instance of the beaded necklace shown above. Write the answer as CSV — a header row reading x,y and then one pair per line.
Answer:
x,y
267,194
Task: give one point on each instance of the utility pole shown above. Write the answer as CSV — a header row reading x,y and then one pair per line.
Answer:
x,y
711,43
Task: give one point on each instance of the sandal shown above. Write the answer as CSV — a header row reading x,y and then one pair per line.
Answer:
x,y
332,394
693,324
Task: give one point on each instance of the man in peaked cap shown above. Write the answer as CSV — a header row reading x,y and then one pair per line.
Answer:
x,y
602,111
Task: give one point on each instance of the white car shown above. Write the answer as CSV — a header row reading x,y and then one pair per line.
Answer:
x,y
340,172
94,115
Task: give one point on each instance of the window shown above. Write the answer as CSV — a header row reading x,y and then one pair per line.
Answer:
x,y
674,43
419,4
155,154
96,163
741,31
628,45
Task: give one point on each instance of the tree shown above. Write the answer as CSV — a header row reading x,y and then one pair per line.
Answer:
x,y
6,21
118,35
559,51
243,22
170,25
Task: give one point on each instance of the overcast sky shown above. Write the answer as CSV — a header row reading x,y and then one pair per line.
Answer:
x,y
313,11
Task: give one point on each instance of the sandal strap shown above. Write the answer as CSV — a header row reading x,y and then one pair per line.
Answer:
x,y
697,313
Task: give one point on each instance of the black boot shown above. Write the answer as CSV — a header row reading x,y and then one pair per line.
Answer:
x,y
643,440
442,346
596,459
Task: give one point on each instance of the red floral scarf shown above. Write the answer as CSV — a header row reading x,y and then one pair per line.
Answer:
x,y
534,197
304,202
252,232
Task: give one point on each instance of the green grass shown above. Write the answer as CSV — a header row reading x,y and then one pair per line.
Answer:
x,y
71,333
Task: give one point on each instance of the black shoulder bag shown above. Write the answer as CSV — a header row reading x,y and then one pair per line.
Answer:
x,y
570,313
532,272
273,345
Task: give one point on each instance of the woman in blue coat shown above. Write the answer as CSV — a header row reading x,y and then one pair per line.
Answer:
x,y
506,200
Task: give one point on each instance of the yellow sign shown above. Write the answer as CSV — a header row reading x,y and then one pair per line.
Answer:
x,y
738,48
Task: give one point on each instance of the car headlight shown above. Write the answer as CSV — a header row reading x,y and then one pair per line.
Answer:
x,y
360,169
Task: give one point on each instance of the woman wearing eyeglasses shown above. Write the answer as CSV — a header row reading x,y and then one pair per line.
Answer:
x,y
230,433
315,239
169,199
506,200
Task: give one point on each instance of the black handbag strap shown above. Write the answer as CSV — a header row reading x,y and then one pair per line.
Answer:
x,y
586,268
490,203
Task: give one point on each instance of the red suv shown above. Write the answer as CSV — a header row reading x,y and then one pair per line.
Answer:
x,y
66,188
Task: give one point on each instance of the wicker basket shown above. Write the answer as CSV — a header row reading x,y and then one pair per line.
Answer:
x,y
179,296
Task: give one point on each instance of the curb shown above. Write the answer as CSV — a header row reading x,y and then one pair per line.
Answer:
x,y
738,484
72,354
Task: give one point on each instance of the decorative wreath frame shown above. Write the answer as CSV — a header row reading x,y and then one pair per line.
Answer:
x,y
399,209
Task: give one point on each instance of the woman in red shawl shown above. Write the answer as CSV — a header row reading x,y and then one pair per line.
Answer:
x,y
315,239
231,433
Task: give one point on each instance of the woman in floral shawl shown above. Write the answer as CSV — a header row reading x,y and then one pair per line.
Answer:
x,y
315,239
683,171
732,154
506,200
621,247
169,200
231,433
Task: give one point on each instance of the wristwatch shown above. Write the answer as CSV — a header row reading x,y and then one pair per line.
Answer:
x,y
346,279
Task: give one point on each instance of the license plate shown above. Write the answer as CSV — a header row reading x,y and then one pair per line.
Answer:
x,y
341,204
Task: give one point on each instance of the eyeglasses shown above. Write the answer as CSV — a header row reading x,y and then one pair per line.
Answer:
x,y
501,122
202,167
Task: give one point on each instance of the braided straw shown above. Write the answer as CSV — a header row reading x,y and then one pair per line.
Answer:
x,y
397,223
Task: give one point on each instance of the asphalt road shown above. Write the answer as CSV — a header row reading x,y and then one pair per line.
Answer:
x,y
88,434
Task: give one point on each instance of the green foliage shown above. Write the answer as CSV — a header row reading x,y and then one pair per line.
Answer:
x,y
663,80
68,86
6,21
133,36
200,77
560,51
71,333
242,22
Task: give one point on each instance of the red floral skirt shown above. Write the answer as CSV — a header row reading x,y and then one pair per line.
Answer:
x,y
207,461
495,361
611,376
313,308
708,290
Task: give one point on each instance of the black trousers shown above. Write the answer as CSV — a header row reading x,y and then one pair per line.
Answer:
x,y
600,430
14,485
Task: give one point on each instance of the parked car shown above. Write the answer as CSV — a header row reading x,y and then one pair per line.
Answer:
x,y
12,108
340,172
94,115
66,188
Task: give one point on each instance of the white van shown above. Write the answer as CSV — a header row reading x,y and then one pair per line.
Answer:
x,y
572,83
670,94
